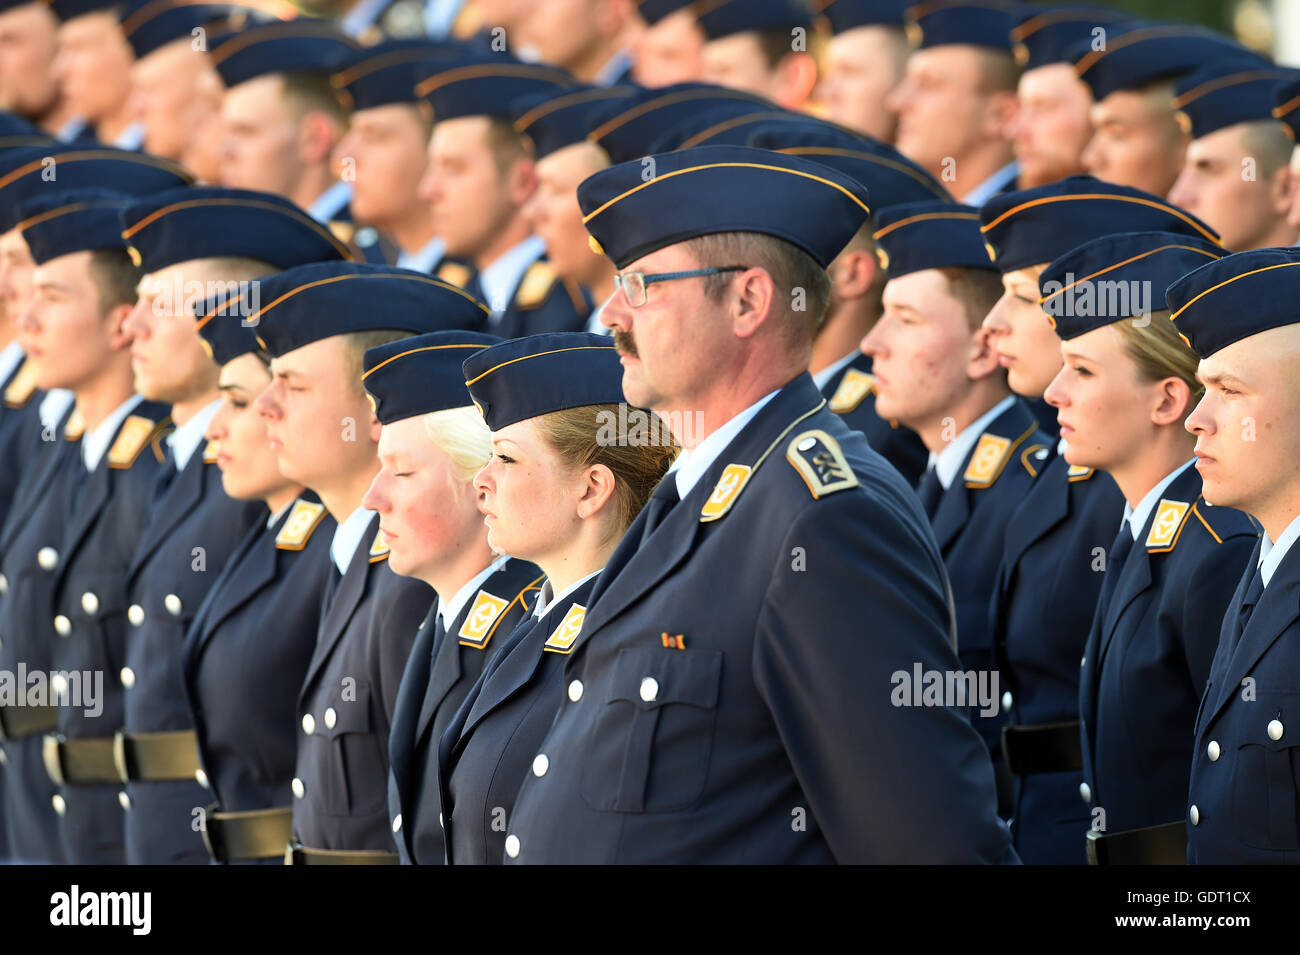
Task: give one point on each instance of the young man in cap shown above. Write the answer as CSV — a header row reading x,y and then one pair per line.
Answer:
x,y
1238,315
762,47
28,86
481,174
93,67
936,372
1237,176
750,685
588,38
670,47
864,62
190,244
316,323
957,101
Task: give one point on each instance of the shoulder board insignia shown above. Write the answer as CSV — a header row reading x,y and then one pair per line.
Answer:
x,y
343,231
210,452
378,548
733,481
1033,457
21,386
76,426
535,285
1168,522
135,433
453,273
820,462
562,637
298,527
1078,472
476,631
1202,506
987,461
853,387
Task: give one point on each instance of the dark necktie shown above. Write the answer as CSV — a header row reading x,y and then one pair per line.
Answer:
x,y
166,474
1120,548
930,491
1254,591
663,500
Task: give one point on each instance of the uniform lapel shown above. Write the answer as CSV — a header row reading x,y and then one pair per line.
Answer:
x,y
410,696
252,573
950,517
181,500
347,597
1134,578
1045,506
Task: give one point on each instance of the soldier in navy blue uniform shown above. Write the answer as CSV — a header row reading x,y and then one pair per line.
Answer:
x,y
1238,314
94,72
480,176
316,323
669,49
1127,384
936,371
554,403
256,628
716,686
432,445
186,239
864,60
750,45
1046,590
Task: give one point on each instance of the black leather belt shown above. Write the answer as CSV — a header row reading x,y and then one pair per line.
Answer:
x,y
1154,845
298,854
248,834
156,757
1045,748
19,721
79,761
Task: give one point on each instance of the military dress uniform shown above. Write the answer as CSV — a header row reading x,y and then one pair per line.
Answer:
x,y
692,737
850,393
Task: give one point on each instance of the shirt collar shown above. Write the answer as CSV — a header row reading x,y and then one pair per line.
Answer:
x,y
96,441
440,17
347,537
424,259
449,610
187,437
11,356
131,138
594,325
691,465
991,186
362,16
822,378
272,518
1271,554
54,406
614,68
500,279
329,203
1137,516
948,461
545,601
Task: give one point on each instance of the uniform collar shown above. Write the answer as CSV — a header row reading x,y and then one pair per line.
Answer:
x,y
96,441
1271,554
11,356
949,461
594,324
545,601
991,186
54,406
328,204
690,466
347,537
448,610
362,16
272,518
131,138
1137,516
822,378
615,68
424,259
186,438
500,279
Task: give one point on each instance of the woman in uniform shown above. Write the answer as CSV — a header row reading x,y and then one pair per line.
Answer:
x,y
571,468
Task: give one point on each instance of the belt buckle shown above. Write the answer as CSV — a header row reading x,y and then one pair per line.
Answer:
x,y
1096,850
52,756
293,854
120,759
211,832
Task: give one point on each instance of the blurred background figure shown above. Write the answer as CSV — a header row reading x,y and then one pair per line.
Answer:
x,y
93,68
864,62
589,38
28,86
761,46
1287,97
670,47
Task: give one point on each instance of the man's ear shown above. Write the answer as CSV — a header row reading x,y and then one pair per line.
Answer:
x,y
755,297
796,77
318,134
1003,107
853,273
983,356
1285,185
1174,402
521,181
118,337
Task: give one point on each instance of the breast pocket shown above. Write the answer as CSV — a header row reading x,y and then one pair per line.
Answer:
x,y
1267,776
653,740
356,779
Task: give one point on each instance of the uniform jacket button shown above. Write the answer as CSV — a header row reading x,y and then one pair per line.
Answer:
x,y
397,823
62,625
308,723
575,690
1194,815
173,604
128,677
649,689
1275,730
540,764
59,683
4,584
60,806
1085,791
48,558
330,717
1006,702
298,788
124,800
135,614
201,778
1213,751
512,846
90,603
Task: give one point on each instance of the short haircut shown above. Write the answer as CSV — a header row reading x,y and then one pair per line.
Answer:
x,y
977,289
356,343
115,276
998,71
310,92
507,145
792,270
1266,140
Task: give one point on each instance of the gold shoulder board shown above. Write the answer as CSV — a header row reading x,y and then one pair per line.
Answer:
x,y
562,637
820,462
536,285
453,273
297,528
476,631
378,548
987,461
21,387
1168,523
854,386
132,437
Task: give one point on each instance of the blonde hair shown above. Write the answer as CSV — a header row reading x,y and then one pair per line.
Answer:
x,y
463,435
1160,353
640,455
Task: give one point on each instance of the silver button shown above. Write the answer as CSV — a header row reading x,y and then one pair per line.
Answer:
x,y
128,677
1006,701
58,803
440,825
1083,661
173,604
48,558
298,788
59,683
201,778
124,801
540,764
3,758
330,717
397,823
512,846
1274,729
1085,791
1213,751
1194,815
308,723
4,584
62,625
90,603
649,689
575,690
135,614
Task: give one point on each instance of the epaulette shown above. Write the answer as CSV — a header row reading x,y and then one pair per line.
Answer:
x,y
1167,525
210,453
1218,521
453,273
343,231
536,285
562,637
134,436
21,386
1033,457
990,457
1078,472
852,390
156,439
820,462
76,426
378,548
486,612
303,519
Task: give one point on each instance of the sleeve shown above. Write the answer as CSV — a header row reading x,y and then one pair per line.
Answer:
x,y
887,781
